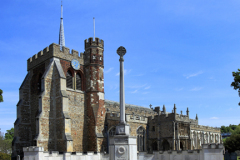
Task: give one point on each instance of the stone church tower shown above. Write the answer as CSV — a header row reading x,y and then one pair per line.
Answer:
x,y
61,103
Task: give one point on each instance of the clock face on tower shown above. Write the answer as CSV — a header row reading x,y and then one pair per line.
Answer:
x,y
75,64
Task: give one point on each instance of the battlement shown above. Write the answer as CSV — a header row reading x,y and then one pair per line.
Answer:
x,y
205,128
54,51
185,118
129,118
91,43
212,146
35,152
33,149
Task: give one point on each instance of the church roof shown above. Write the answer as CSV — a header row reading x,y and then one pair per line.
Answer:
x,y
131,106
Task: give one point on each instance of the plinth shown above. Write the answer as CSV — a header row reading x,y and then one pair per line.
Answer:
x,y
123,147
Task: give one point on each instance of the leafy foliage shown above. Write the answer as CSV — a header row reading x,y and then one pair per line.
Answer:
x,y
236,131
10,134
4,156
1,97
227,129
236,81
232,143
5,144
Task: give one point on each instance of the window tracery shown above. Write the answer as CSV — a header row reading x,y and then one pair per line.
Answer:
x,y
78,82
69,79
141,139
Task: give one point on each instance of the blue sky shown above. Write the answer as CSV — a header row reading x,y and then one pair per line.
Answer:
x,y
180,52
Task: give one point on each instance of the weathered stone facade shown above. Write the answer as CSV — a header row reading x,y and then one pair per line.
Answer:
x,y
63,109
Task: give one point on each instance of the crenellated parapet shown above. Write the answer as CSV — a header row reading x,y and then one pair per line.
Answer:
x,y
94,43
34,152
94,52
185,118
129,118
212,146
54,51
205,128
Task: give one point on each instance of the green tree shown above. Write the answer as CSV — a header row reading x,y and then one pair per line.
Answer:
x,y
232,143
5,144
223,129
10,134
227,129
236,81
236,131
1,97
4,156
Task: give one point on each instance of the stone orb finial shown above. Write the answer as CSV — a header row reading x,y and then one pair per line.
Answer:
x,y
121,51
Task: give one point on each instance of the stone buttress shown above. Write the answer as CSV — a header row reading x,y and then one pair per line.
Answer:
x,y
94,93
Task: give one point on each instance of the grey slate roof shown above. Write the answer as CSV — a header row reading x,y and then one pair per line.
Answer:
x,y
109,102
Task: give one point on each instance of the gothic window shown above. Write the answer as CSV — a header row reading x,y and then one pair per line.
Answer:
x,y
69,79
112,132
78,82
141,139
153,128
39,83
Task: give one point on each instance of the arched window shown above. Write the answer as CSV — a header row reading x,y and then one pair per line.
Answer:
x,y
39,83
141,139
78,82
69,79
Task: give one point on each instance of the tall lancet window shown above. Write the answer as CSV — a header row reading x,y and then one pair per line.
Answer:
x,y
141,139
78,82
69,79
39,83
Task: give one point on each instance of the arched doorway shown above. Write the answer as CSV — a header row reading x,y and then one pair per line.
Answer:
x,y
154,146
165,145
181,145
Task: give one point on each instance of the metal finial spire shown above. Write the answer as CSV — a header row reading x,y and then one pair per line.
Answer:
x,y
93,29
61,10
61,32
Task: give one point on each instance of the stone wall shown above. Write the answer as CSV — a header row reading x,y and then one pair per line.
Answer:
x,y
209,152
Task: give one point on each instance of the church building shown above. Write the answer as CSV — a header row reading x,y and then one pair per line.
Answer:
x,y
62,108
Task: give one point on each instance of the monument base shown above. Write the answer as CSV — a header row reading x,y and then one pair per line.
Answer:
x,y
123,147
122,129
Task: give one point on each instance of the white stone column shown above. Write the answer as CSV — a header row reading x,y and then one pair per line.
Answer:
x,y
121,52
122,128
